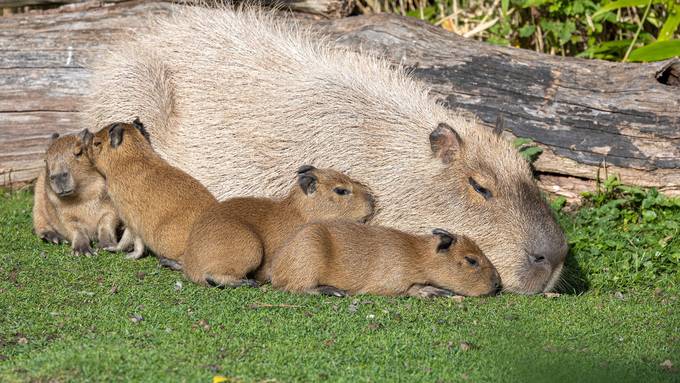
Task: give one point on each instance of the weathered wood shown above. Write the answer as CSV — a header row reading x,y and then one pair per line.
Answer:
x,y
586,114
325,8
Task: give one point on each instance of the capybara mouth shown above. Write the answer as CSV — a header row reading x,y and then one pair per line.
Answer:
x,y
65,193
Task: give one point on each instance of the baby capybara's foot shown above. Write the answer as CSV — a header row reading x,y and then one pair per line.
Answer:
x,y
170,264
331,291
52,237
222,281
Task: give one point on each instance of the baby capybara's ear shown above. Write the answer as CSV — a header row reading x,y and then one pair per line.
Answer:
x,y
85,137
142,129
305,169
54,137
307,182
445,142
446,240
116,134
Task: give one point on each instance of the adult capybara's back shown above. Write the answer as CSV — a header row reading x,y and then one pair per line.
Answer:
x,y
238,98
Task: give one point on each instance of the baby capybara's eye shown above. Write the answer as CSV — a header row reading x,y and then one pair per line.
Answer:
x,y
341,191
486,193
471,261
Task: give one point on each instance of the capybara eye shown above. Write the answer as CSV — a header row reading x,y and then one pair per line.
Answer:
x,y
471,261
341,191
97,143
486,193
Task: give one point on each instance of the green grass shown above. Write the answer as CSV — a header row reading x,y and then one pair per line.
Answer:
x,y
64,318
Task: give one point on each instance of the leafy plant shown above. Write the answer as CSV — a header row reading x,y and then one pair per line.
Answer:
x,y
628,30
624,236
527,149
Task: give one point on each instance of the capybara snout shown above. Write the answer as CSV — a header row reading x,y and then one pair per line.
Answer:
x,y
62,183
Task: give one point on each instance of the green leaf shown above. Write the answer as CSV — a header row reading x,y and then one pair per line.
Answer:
x,y
649,215
527,30
531,153
534,3
618,46
504,7
558,203
670,25
657,51
520,141
565,32
624,4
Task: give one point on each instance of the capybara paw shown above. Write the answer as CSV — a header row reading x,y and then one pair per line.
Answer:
x,y
213,283
134,255
169,263
121,247
107,244
248,283
52,237
83,249
228,282
431,291
331,291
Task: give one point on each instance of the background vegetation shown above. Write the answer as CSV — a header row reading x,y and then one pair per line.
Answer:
x,y
621,30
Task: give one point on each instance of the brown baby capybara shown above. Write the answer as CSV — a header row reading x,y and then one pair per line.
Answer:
x,y
70,200
157,202
236,241
340,257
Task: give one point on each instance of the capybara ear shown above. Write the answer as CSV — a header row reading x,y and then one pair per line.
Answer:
x,y
305,168
444,142
85,137
116,135
446,239
500,125
307,182
54,137
142,129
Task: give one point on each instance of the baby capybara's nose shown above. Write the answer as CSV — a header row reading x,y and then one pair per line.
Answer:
x,y
59,177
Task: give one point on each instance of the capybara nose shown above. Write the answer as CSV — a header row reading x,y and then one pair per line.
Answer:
x,y
59,177
537,259
496,287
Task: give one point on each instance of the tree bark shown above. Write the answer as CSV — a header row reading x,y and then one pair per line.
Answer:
x,y
592,118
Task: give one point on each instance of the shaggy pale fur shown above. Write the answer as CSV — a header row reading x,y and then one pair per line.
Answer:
x,y
238,98
70,199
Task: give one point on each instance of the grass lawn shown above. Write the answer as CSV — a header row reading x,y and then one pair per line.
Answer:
x,y
105,318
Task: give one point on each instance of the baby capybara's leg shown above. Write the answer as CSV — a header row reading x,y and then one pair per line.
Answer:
x,y
213,259
106,231
427,291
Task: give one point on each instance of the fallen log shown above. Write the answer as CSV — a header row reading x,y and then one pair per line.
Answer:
x,y
591,117
324,8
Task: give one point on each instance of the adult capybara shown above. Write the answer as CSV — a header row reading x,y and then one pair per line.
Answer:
x,y
240,236
157,202
340,258
70,199
237,98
